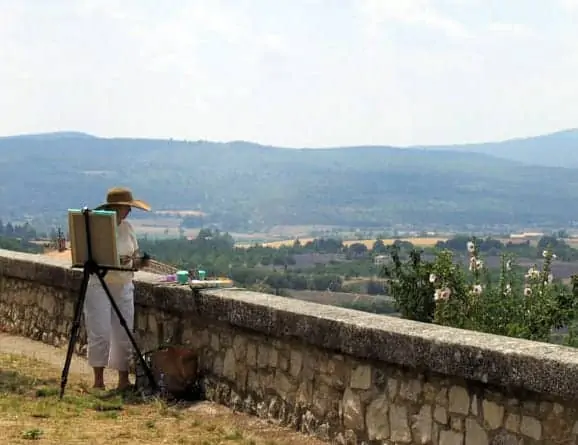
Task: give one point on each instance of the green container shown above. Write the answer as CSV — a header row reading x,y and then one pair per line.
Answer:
x,y
182,277
202,274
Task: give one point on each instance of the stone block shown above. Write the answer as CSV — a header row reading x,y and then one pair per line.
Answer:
x,y
229,364
283,363
399,424
422,426
410,390
441,415
493,414
459,400
449,437
284,387
215,343
512,422
531,427
475,434
304,393
295,362
352,411
361,377
377,419
457,423
263,355
392,388
273,357
240,347
253,382
252,355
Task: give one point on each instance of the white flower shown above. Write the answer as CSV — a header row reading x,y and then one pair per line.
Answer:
x,y
437,294
554,256
527,292
545,253
532,273
432,278
475,264
550,278
477,289
508,290
509,265
446,293
471,247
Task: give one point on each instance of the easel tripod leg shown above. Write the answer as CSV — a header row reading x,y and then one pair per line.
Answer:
x,y
74,331
124,324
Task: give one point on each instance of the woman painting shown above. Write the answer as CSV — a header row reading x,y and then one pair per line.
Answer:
x,y
108,343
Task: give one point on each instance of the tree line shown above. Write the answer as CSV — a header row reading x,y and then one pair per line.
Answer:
x,y
18,237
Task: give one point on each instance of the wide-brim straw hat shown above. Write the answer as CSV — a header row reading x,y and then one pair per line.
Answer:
x,y
122,196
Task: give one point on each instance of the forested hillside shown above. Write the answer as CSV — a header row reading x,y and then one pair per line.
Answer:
x,y
243,185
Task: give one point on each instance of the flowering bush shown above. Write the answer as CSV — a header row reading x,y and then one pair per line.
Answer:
x,y
528,306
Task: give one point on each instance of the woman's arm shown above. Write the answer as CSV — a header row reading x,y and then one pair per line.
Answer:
x,y
138,260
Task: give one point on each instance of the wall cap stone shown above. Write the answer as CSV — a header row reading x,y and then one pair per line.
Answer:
x,y
507,362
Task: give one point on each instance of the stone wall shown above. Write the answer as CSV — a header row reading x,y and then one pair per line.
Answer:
x,y
342,375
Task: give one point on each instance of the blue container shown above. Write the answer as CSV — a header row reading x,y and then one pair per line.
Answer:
x,y
182,277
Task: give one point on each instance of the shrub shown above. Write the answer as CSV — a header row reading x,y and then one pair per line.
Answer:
x,y
529,306
410,286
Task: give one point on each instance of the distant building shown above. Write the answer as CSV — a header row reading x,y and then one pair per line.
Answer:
x,y
527,235
380,259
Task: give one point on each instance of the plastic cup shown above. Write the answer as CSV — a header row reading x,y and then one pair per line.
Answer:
x,y
182,277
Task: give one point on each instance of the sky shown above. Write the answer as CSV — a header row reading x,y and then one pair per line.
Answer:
x,y
293,73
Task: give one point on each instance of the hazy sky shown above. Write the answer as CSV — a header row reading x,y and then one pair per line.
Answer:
x,y
290,72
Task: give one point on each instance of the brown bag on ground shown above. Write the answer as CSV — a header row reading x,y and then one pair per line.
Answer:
x,y
175,370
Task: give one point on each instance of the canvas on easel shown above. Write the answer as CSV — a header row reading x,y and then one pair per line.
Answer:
x,y
103,226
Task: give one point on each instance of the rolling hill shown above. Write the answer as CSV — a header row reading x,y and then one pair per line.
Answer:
x,y
246,185
558,149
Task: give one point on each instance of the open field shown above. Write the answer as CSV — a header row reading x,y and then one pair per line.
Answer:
x,y
334,298
180,213
422,242
166,223
169,228
572,242
31,411
416,241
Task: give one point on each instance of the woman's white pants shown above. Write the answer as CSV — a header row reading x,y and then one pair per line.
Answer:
x,y
108,343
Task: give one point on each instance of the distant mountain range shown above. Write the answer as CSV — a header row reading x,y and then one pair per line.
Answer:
x,y
552,150
559,149
248,186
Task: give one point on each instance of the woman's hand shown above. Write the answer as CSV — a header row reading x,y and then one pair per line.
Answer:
x,y
125,260
142,262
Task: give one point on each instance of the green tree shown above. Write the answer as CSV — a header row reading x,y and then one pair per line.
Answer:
x,y
378,247
409,284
